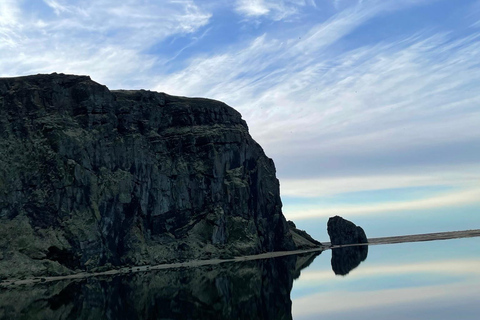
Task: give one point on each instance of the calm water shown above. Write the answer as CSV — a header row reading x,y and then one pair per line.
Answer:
x,y
426,280
434,280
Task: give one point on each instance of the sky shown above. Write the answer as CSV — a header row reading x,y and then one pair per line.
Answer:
x,y
370,109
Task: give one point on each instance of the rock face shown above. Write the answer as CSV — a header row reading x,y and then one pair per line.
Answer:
x,y
342,231
91,177
301,238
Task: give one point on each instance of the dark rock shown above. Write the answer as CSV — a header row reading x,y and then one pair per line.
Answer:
x,y
342,232
301,238
346,259
90,176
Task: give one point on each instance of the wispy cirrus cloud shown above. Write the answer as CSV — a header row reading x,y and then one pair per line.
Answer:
x,y
464,177
132,23
57,6
444,200
252,7
385,104
272,9
106,39
9,13
9,22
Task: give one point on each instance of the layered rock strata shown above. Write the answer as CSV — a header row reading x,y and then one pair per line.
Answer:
x,y
91,177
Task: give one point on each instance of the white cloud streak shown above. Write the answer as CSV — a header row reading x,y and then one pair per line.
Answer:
x,y
252,7
462,177
444,200
104,38
56,6
302,99
271,9
9,12
9,23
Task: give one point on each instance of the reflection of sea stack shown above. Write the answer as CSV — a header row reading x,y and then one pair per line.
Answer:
x,y
343,232
346,259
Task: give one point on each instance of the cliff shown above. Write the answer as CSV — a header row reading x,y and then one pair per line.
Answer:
x,y
91,177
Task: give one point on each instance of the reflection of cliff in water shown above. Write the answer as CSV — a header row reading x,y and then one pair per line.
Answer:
x,y
249,290
346,259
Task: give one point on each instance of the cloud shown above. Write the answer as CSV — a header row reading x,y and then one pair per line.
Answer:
x,y
271,9
9,13
106,39
9,23
57,7
444,200
376,98
252,7
400,101
262,64
461,177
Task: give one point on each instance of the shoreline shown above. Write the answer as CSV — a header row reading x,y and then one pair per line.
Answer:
x,y
127,270
10,283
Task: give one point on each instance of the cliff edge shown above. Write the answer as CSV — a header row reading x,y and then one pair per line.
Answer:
x,y
91,177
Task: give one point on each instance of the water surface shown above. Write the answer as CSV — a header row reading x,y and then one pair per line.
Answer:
x,y
422,280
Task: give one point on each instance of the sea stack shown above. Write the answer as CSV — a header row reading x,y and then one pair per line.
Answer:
x,y
342,231
96,178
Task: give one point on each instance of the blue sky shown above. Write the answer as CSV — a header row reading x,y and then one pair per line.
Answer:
x,y
369,108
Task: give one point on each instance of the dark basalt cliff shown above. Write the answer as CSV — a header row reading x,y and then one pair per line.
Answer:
x,y
91,177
